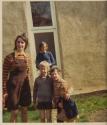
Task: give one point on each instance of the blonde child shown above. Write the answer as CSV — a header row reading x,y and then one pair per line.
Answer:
x,y
43,92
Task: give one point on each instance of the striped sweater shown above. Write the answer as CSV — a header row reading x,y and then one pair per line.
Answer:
x,y
8,65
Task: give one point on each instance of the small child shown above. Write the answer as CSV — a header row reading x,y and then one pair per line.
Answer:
x,y
61,96
44,55
43,92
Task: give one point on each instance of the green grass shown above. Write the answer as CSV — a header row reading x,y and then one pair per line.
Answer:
x,y
86,105
32,115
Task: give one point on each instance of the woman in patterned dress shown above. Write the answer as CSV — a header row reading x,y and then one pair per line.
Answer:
x,y
16,88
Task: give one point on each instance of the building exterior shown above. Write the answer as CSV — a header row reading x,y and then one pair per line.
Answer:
x,y
76,34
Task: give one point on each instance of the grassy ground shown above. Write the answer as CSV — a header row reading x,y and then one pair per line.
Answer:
x,y
87,105
90,103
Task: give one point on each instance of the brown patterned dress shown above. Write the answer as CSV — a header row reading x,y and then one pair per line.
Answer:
x,y
16,82
61,88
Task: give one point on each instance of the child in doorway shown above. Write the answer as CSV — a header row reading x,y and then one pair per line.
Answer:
x,y
61,96
43,92
44,55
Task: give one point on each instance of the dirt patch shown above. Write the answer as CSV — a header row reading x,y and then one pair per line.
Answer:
x,y
99,116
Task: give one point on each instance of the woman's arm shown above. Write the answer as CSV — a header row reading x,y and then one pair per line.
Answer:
x,y
6,67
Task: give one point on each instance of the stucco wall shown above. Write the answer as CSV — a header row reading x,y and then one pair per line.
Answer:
x,y
82,28
14,23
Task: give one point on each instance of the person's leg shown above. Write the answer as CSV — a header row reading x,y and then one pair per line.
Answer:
x,y
48,115
42,115
60,115
13,116
24,114
54,115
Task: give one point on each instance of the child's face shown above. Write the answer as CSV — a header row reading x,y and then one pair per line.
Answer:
x,y
43,70
44,48
55,75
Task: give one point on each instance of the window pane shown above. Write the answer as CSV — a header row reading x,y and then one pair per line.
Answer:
x,y
41,14
46,37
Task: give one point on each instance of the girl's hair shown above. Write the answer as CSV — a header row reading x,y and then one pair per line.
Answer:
x,y
45,64
24,38
41,45
53,68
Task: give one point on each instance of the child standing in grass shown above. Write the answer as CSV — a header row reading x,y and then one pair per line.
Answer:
x,y
61,96
43,92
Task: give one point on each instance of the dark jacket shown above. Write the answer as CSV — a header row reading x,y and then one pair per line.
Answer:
x,y
70,107
46,56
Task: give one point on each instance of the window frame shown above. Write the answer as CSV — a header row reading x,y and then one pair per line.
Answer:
x,y
32,30
45,27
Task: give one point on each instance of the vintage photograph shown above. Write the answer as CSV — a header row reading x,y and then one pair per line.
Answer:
x,y
54,61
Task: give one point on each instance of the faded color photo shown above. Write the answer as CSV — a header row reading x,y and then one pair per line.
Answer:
x,y
74,38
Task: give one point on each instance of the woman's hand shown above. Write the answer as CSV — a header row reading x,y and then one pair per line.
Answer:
x,y
4,99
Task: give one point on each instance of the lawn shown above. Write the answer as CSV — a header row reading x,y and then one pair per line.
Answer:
x,y
87,105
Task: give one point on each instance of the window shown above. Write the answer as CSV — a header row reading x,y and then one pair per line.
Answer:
x,y
41,22
41,14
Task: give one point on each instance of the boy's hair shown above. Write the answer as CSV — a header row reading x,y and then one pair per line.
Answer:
x,y
53,68
42,43
45,64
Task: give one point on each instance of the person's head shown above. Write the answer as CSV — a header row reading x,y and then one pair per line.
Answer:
x,y
43,46
21,42
55,73
44,68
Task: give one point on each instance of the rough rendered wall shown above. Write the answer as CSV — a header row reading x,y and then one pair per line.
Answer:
x,y
14,23
82,28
